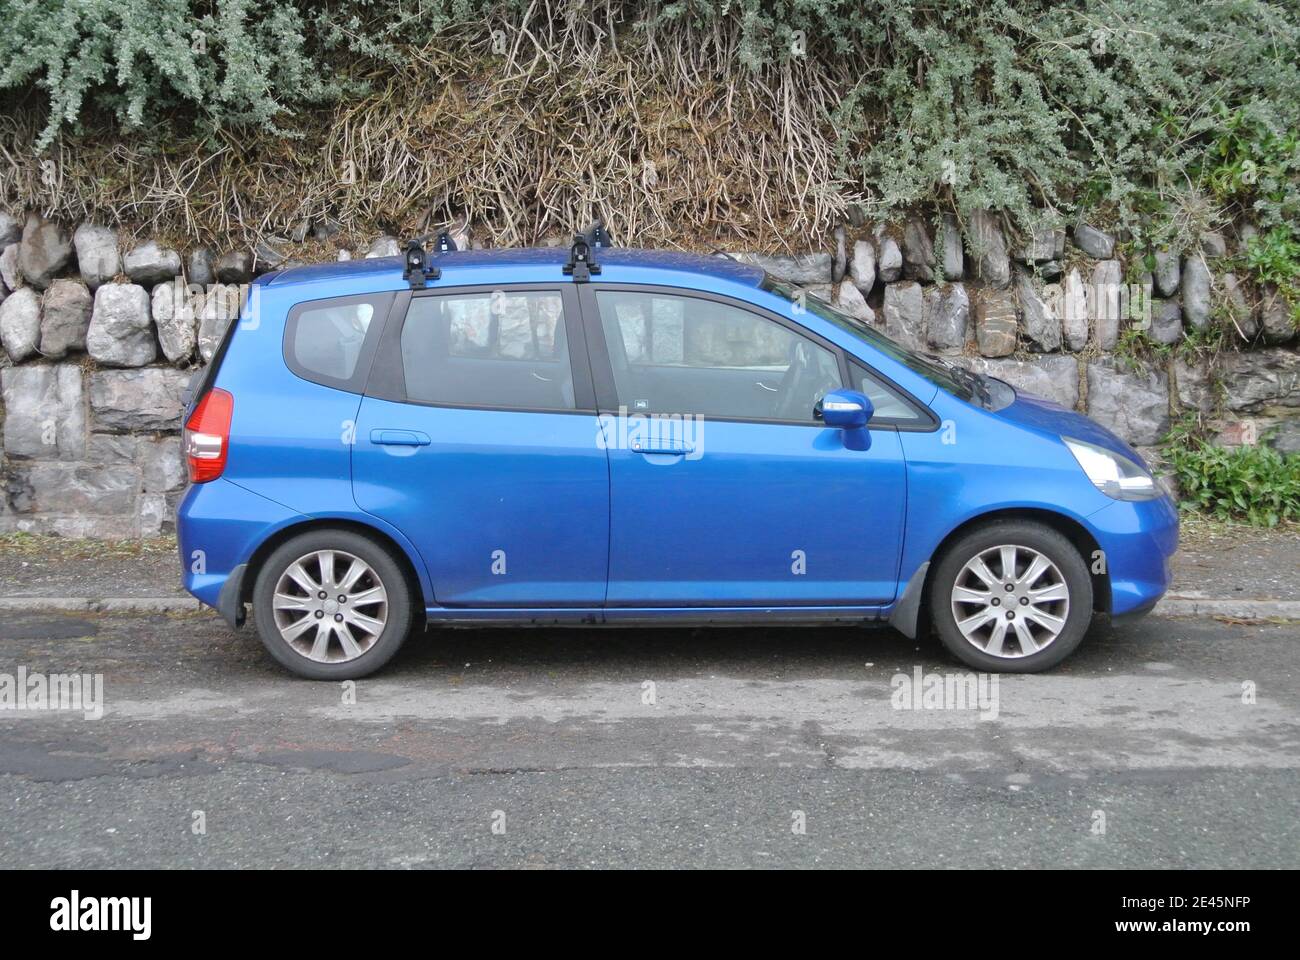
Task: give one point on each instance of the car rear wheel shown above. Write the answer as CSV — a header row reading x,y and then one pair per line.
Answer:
x,y
332,605
1012,596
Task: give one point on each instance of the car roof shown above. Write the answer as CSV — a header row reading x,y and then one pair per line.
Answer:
x,y
479,266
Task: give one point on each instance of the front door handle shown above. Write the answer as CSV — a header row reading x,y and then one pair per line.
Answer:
x,y
399,438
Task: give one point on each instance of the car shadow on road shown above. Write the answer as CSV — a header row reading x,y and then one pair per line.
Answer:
x,y
493,654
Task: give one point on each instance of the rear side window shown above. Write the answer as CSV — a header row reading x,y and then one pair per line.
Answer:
x,y
488,349
331,341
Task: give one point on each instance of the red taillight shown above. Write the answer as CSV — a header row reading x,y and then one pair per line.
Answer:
x,y
207,435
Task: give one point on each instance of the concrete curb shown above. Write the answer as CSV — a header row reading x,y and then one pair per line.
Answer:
x,y
101,604
1170,606
1245,608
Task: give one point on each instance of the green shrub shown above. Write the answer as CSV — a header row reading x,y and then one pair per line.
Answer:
x,y
226,62
1159,117
1255,169
1256,484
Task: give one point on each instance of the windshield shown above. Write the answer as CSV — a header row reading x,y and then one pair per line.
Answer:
x,y
941,373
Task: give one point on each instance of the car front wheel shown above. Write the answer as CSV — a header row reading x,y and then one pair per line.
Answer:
x,y
1012,596
332,605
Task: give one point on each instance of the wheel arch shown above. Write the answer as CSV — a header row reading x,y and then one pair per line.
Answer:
x,y
285,534
1067,526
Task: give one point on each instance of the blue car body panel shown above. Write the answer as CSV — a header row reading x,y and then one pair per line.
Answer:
x,y
592,531
506,509
749,521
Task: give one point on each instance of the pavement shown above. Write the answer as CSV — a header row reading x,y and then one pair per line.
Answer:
x,y
1180,737
1167,742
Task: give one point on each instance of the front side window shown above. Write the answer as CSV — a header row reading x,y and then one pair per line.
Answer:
x,y
889,406
934,370
492,349
677,354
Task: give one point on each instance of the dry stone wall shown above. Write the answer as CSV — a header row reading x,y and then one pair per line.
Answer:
x,y
97,343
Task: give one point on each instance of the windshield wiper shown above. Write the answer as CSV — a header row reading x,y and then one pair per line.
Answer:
x,y
974,381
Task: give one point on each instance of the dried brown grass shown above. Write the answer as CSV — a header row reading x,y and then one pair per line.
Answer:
x,y
660,133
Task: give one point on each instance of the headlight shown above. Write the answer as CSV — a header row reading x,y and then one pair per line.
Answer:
x,y
1112,474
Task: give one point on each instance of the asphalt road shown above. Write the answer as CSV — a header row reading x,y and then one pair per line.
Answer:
x,y
548,736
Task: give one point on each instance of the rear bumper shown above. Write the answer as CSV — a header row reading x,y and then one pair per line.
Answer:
x,y
218,526
1137,540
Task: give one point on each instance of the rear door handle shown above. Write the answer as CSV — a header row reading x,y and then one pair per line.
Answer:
x,y
400,438
671,449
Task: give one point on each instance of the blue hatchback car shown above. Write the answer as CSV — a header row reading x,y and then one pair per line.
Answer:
x,y
620,437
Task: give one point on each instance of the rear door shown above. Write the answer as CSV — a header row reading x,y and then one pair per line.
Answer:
x,y
478,439
726,490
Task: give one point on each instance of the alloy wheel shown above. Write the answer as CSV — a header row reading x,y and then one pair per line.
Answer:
x,y
330,606
1010,601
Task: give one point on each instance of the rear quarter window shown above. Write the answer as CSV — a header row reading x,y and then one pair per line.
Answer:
x,y
331,342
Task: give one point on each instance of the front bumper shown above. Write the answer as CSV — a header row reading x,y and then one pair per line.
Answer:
x,y
1137,540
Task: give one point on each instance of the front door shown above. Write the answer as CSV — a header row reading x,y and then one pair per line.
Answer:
x,y
478,439
725,489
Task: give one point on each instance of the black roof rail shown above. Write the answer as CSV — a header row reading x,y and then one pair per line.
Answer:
x,y
419,270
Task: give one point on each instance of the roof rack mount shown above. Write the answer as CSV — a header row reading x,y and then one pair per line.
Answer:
x,y
582,262
419,269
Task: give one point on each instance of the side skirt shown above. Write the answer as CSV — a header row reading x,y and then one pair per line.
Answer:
x,y
652,616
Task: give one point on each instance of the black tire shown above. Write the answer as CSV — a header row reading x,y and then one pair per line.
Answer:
x,y
1024,533
400,605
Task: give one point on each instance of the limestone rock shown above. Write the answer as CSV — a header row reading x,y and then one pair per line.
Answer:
x,y
905,313
121,329
389,247
1195,287
947,308
1104,298
147,399
1166,321
20,323
889,259
1276,315
1074,311
953,260
150,263
918,251
45,250
1094,242
1041,325
801,269
995,323
11,273
203,266
988,248
1167,273
862,266
1052,378
1132,403
174,316
235,267
65,318
98,257
45,418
